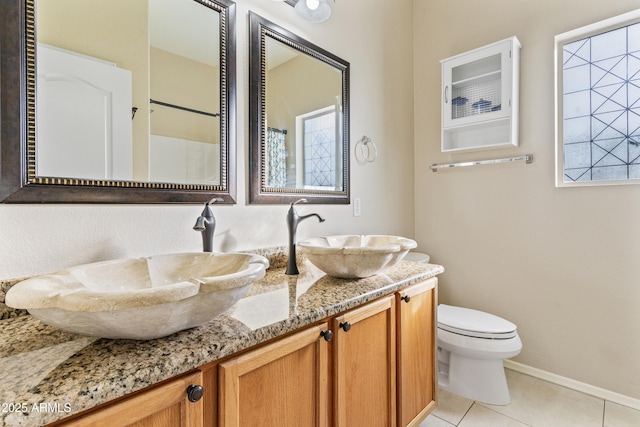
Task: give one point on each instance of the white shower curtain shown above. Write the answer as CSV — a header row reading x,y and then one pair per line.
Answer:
x,y
275,159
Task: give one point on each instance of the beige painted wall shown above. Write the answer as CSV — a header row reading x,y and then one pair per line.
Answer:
x,y
181,81
41,238
561,263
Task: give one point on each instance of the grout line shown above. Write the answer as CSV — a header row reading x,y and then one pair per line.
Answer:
x,y
466,413
500,413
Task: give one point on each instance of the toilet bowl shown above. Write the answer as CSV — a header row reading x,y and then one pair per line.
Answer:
x,y
472,346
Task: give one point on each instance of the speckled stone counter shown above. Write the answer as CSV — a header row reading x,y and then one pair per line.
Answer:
x,y
47,374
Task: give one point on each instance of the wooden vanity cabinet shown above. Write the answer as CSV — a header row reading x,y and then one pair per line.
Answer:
x,y
164,405
282,384
373,365
286,383
417,373
364,366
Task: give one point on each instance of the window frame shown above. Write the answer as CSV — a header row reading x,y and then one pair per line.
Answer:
x,y
560,41
301,144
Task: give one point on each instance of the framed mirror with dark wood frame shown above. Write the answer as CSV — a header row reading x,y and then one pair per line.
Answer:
x,y
298,119
117,102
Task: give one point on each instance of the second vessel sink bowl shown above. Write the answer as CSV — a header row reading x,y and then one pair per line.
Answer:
x,y
354,256
140,298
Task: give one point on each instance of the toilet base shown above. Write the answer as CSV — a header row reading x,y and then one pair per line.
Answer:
x,y
483,380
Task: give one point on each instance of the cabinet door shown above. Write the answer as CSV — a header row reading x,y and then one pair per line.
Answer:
x,y
477,85
417,380
165,405
364,366
282,384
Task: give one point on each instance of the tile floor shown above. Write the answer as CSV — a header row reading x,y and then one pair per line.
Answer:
x,y
534,403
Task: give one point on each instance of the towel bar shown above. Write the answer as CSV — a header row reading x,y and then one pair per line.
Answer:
x,y
528,158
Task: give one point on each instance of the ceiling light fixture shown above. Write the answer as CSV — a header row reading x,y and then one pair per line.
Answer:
x,y
313,10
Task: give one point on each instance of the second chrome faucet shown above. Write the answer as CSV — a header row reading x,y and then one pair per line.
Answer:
x,y
293,219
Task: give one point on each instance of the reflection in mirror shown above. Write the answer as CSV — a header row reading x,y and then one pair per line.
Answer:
x,y
310,157
131,94
184,93
299,135
88,86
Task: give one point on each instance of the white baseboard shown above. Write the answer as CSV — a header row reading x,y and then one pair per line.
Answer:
x,y
574,385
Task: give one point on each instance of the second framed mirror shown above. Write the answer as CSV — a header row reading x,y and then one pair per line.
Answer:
x,y
299,119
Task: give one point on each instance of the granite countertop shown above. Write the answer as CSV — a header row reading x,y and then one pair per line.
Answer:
x,y
47,374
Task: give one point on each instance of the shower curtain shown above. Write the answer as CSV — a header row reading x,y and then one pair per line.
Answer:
x,y
275,159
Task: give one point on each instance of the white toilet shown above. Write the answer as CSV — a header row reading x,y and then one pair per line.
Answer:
x,y
471,348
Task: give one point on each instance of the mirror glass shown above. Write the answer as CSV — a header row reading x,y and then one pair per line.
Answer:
x,y
131,94
300,135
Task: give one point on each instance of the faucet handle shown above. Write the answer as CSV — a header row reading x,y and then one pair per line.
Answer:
x,y
215,199
303,200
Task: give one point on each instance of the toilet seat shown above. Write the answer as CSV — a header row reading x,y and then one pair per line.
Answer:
x,y
474,323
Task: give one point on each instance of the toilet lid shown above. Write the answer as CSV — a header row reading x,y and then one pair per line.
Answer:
x,y
466,321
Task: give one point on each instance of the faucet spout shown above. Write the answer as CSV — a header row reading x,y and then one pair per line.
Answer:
x,y
200,223
293,219
301,218
206,225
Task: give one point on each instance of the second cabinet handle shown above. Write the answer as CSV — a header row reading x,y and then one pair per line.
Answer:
x,y
406,298
346,326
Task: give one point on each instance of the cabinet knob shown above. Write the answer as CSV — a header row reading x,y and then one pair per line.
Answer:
x,y
346,326
327,335
406,298
195,392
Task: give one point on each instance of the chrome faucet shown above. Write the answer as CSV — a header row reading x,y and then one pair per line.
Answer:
x,y
293,219
206,224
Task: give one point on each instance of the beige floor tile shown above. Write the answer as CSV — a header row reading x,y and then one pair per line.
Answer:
x,y
433,421
480,416
620,416
451,407
541,404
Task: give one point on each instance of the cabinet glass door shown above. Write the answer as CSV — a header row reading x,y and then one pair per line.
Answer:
x,y
476,88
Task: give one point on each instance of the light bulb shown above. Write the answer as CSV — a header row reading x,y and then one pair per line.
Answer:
x,y
313,4
313,10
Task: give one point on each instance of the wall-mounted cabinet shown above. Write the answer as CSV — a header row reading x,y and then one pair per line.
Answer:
x,y
480,97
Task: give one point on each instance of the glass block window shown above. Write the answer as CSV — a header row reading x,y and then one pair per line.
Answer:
x,y
599,118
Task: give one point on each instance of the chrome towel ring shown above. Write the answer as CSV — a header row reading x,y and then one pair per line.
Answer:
x,y
366,150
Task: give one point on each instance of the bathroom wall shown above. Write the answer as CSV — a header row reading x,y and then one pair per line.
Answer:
x,y
376,40
187,83
561,263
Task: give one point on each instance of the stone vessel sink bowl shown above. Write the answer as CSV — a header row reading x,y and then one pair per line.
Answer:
x,y
142,298
353,256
